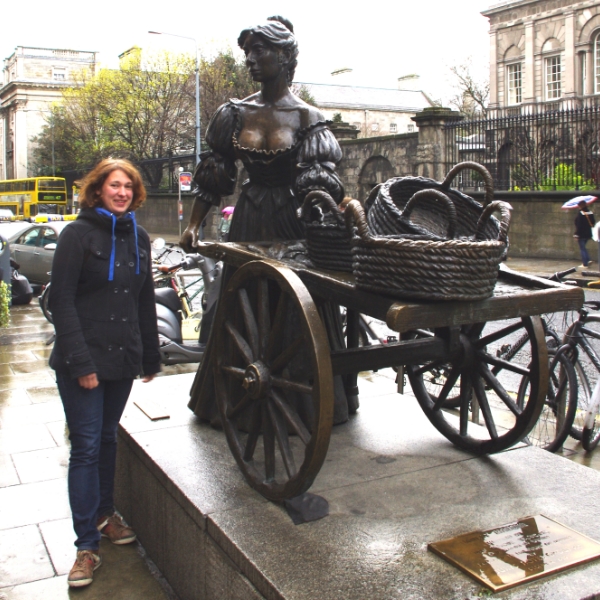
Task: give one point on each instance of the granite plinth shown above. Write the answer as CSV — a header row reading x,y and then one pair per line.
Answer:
x,y
393,483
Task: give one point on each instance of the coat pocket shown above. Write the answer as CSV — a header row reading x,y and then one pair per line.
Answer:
x,y
97,260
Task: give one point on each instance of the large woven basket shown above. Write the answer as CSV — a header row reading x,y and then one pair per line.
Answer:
x,y
328,240
386,204
428,269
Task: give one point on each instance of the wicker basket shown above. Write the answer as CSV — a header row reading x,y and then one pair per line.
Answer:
x,y
429,269
386,204
328,240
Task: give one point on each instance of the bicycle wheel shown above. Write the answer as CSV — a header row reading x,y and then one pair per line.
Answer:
x,y
488,419
584,393
587,369
560,404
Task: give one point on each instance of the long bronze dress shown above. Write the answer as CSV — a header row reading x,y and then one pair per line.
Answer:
x,y
266,208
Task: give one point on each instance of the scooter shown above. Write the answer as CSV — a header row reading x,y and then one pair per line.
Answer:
x,y
172,306
21,291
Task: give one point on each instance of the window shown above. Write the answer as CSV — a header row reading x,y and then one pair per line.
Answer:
x,y
393,128
410,128
59,74
48,236
553,77
514,83
30,238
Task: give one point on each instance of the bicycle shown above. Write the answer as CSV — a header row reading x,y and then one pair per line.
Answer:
x,y
584,334
581,345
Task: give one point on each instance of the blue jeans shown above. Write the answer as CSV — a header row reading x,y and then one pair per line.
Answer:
x,y
585,257
93,417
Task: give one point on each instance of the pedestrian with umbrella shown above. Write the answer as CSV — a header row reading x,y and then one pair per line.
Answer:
x,y
584,223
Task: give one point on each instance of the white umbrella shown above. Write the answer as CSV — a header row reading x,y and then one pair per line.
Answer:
x,y
574,203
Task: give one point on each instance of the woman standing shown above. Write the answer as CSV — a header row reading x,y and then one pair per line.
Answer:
x,y
104,314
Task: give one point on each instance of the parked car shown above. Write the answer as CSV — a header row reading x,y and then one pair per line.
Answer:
x,y
10,229
33,249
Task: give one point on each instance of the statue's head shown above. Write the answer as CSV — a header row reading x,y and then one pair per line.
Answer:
x,y
278,33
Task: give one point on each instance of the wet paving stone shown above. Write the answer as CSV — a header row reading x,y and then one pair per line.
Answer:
x,y
23,556
42,465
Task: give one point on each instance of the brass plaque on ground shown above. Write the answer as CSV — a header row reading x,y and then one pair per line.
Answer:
x,y
516,553
152,409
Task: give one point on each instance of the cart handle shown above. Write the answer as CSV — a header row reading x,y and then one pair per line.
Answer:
x,y
448,204
504,209
488,182
319,197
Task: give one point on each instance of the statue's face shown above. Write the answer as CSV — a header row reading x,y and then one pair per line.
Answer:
x,y
264,62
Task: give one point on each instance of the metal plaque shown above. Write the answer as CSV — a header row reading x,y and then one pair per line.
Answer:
x,y
516,553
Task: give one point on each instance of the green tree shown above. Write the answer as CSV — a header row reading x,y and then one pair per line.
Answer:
x,y
142,111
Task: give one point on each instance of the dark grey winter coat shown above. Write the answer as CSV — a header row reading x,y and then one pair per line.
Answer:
x,y
103,327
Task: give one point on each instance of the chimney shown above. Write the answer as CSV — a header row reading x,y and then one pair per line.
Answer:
x,y
408,82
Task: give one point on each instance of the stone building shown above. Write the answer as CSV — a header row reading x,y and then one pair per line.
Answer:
x,y
33,78
374,112
544,51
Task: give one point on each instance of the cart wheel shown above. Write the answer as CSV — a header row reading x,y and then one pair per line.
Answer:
x,y
273,379
488,417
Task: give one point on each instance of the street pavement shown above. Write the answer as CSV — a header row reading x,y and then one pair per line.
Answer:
x,y
36,538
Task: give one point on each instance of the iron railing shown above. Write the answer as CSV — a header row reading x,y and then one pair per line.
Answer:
x,y
531,147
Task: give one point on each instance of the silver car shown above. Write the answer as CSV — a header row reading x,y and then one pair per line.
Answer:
x,y
33,249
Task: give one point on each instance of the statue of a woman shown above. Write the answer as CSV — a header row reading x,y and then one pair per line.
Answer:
x,y
287,150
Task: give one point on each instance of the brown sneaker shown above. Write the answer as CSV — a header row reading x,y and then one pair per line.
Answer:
x,y
115,530
82,573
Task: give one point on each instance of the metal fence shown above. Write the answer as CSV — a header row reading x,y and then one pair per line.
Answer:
x,y
530,147
158,174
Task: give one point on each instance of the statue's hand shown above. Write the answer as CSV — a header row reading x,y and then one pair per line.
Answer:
x,y
189,240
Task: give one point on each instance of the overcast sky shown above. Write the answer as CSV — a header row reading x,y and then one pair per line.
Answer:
x,y
380,41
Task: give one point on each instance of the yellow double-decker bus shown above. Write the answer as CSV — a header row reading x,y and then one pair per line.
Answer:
x,y
34,195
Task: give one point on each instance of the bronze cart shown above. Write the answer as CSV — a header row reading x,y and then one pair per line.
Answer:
x,y
268,329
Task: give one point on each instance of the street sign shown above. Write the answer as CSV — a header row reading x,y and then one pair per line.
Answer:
x,y
185,182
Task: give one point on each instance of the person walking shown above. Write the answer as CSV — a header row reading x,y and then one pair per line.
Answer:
x,y
102,303
584,222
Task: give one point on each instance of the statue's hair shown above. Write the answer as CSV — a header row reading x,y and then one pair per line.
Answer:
x,y
279,33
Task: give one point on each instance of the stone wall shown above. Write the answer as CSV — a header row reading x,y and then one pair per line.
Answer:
x,y
539,227
368,161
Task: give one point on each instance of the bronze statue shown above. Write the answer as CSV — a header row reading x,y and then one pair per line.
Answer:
x,y
284,144
287,150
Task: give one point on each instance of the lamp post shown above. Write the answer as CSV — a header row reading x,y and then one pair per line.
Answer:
x,y
197,86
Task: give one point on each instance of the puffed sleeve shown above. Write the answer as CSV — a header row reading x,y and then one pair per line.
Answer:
x,y
216,172
317,158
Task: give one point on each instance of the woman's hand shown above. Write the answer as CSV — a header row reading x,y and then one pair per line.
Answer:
x,y
189,240
89,382
148,378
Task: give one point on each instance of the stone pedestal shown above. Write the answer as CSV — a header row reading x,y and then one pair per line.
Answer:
x,y
393,484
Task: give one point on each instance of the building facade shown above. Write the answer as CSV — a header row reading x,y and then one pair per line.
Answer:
x,y
33,79
374,112
544,51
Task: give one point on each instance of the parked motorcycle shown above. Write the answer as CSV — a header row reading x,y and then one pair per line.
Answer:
x,y
21,291
173,307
